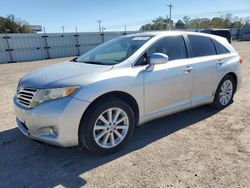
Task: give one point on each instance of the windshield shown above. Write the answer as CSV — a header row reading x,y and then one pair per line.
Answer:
x,y
114,51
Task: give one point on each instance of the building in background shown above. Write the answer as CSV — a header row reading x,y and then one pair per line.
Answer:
x,y
36,28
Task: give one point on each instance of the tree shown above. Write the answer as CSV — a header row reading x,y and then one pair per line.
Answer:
x,y
10,24
194,23
179,25
227,21
157,24
246,20
216,22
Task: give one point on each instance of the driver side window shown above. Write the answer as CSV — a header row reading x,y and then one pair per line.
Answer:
x,y
173,46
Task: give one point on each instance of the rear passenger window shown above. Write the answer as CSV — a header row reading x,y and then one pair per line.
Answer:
x,y
173,46
201,46
220,48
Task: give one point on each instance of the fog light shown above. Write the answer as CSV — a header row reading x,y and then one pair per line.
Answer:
x,y
53,131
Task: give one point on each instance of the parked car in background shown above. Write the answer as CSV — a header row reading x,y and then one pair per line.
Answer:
x,y
220,32
97,100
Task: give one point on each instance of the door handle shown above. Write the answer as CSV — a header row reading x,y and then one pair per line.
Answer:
x,y
188,69
220,62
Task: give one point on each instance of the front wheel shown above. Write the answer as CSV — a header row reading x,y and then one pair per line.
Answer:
x,y
107,126
225,92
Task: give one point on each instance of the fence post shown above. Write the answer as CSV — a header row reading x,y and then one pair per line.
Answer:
x,y
102,35
6,37
77,43
46,43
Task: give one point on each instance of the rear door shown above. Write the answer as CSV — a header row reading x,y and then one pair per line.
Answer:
x,y
206,64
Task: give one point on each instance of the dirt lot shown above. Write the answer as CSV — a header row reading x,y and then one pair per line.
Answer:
x,y
196,148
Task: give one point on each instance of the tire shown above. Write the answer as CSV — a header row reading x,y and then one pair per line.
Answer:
x,y
218,101
96,133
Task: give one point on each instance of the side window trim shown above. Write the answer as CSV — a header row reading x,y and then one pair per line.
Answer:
x,y
216,50
214,46
188,46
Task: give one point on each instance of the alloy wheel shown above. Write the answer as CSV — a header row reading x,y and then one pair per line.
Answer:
x,y
226,92
111,127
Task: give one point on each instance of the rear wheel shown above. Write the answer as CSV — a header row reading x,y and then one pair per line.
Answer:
x,y
225,92
107,126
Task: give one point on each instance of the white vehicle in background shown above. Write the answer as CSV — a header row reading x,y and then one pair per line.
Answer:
x,y
98,99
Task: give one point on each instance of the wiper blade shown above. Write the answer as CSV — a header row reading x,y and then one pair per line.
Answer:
x,y
95,62
74,59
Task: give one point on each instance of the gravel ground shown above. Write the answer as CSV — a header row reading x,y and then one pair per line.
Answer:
x,y
196,148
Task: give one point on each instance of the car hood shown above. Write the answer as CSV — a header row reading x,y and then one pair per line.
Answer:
x,y
63,75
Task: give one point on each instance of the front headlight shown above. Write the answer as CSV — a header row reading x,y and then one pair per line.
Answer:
x,y
43,95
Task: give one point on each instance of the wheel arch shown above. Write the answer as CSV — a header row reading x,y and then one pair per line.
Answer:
x,y
114,94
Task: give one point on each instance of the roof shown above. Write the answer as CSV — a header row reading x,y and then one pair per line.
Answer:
x,y
168,33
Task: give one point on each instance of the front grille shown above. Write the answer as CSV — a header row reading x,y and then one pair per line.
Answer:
x,y
25,96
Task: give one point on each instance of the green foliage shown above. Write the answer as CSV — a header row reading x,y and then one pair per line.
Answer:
x,y
180,25
10,24
157,24
227,21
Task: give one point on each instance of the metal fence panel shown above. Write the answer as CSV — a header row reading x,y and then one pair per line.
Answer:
x,y
28,47
4,55
110,36
86,47
28,55
87,41
26,41
61,45
62,51
246,37
90,38
246,29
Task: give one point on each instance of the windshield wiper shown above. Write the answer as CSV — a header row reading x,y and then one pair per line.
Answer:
x,y
74,59
94,62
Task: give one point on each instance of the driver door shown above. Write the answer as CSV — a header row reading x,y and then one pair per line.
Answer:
x,y
168,86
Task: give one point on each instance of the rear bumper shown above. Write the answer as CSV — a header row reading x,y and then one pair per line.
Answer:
x,y
55,122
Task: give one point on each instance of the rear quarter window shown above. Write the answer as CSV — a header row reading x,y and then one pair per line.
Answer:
x,y
220,49
201,46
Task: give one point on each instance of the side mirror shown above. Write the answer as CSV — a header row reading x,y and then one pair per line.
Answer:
x,y
155,59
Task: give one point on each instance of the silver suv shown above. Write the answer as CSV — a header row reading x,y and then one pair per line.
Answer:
x,y
97,99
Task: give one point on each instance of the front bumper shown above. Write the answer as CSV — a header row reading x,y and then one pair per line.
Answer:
x,y
55,122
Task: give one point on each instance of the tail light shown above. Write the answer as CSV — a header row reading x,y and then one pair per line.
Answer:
x,y
241,60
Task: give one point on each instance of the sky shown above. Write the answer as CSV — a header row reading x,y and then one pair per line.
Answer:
x,y
115,14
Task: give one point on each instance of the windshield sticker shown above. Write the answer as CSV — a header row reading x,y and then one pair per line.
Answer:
x,y
141,38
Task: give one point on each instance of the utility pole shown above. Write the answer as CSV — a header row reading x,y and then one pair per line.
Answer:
x,y
167,22
44,30
103,28
170,13
63,28
99,23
